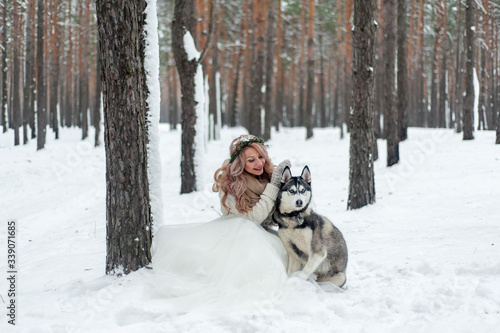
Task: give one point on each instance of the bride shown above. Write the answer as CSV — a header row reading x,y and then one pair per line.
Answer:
x,y
232,262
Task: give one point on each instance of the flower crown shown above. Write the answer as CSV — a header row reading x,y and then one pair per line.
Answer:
x,y
243,144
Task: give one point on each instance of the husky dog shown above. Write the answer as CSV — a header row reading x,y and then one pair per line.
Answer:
x,y
313,243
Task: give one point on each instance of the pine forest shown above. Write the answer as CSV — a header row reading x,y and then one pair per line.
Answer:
x,y
268,64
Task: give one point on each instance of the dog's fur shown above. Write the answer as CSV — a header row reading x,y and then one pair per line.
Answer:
x,y
313,243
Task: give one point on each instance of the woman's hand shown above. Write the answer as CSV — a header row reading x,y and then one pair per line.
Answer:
x,y
278,172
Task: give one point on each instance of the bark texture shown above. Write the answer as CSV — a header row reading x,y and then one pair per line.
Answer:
x,y
268,99
309,117
257,72
361,175
29,65
41,93
4,68
391,114
468,114
402,73
184,22
128,216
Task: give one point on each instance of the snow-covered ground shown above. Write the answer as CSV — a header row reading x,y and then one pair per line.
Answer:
x,y
424,258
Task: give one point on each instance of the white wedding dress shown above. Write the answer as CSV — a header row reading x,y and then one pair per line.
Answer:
x,y
228,264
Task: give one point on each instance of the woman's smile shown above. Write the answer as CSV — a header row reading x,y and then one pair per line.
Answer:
x,y
254,162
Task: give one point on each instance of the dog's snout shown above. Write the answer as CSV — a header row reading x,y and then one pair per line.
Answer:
x,y
299,203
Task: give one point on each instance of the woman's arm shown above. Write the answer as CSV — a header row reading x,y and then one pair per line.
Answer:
x,y
267,199
261,209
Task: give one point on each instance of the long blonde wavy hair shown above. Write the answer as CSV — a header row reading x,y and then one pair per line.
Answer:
x,y
232,178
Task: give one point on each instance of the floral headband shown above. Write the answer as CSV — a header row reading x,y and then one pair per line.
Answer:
x,y
243,144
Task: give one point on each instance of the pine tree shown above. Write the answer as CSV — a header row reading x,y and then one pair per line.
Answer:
x,y
41,98
128,216
257,72
29,65
269,73
309,117
361,175
391,114
402,102
183,24
4,51
468,114
16,100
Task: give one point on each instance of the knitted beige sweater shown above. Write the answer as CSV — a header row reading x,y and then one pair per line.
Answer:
x,y
261,209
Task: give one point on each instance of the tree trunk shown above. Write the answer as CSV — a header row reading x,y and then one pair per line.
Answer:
x,y
182,24
244,106
96,119
174,118
212,71
291,106
402,100
171,94
16,99
4,67
70,112
433,121
391,115
379,75
84,67
268,99
322,92
309,117
411,67
459,87
29,83
77,58
232,108
443,96
54,67
257,72
347,87
201,23
41,99
339,78
490,99
128,215
361,175
486,71
468,114
481,105
421,93
302,73
278,110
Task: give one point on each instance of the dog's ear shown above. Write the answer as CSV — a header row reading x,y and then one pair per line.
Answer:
x,y
287,174
306,175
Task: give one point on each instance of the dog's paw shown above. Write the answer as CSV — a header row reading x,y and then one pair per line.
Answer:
x,y
302,275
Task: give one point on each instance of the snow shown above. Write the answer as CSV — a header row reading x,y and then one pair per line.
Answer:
x,y
190,47
477,87
199,127
152,68
200,110
423,258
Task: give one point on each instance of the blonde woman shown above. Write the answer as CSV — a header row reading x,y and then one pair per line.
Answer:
x,y
231,263
248,182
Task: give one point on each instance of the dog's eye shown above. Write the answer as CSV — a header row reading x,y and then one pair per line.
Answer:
x,y
291,191
303,191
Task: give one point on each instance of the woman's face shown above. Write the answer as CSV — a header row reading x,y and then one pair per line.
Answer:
x,y
254,162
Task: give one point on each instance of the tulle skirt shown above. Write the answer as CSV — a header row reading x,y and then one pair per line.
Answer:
x,y
228,264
